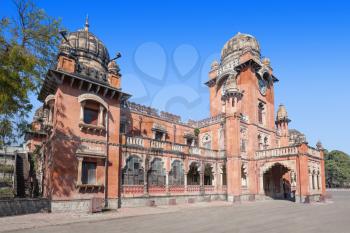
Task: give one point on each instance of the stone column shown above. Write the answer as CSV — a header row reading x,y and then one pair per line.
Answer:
x,y
185,181
167,182
50,112
145,178
80,166
100,115
82,104
310,181
201,179
261,183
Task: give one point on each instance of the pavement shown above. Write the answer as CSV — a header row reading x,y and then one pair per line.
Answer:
x,y
261,216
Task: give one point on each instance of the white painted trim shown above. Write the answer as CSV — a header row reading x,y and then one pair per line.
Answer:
x,y
93,97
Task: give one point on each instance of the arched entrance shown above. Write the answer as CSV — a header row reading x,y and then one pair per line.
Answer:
x,y
277,183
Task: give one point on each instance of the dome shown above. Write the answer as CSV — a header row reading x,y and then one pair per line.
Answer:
x,y
89,50
237,44
282,113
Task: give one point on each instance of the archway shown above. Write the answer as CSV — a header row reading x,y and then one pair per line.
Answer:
x,y
277,183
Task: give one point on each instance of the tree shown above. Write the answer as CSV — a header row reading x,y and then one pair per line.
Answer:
x,y
28,45
337,166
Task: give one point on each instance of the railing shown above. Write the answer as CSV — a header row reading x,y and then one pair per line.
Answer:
x,y
209,188
195,151
176,147
133,189
277,152
156,189
147,143
193,188
176,188
313,152
136,141
157,144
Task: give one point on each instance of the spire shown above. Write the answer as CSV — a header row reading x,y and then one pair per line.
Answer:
x,y
87,23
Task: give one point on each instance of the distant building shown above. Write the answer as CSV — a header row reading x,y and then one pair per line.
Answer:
x,y
96,144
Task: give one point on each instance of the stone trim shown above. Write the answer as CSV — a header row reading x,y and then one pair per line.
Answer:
x,y
89,96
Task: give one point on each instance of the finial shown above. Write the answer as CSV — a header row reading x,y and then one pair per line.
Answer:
x,y
87,23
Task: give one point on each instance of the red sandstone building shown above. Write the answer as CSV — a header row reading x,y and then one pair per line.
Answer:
x,y
95,144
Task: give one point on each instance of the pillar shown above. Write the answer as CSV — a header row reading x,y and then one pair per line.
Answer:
x,y
185,181
82,104
167,182
80,166
261,183
201,178
145,178
100,115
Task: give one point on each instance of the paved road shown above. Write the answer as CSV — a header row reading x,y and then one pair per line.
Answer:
x,y
269,216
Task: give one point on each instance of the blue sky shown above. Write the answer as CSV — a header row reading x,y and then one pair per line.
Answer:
x,y
167,49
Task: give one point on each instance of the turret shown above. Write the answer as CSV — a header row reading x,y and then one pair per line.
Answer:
x,y
282,122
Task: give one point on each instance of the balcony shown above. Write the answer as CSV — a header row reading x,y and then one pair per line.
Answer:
x,y
170,147
177,148
277,152
135,141
195,151
159,145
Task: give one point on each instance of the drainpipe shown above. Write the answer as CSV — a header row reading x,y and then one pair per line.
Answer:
x,y
106,160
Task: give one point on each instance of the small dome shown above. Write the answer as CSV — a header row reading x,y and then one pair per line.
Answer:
x,y
296,137
87,47
113,67
214,65
237,44
265,61
282,113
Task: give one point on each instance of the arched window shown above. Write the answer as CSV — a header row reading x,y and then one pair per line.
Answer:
x,y
266,142
176,175
193,177
261,113
208,174
318,179
93,110
156,174
133,173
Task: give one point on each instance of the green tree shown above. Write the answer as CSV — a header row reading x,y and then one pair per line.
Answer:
x,y
337,166
28,45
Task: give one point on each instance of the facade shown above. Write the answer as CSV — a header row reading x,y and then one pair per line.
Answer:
x,y
100,146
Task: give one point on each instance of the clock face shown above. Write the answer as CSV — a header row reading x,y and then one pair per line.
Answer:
x,y
262,86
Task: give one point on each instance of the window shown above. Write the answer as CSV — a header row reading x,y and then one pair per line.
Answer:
x,y
176,175
90,116
88,173
133,173
123,127
208,175
266,141
193,176
189,141
261,109
158,135
157,173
